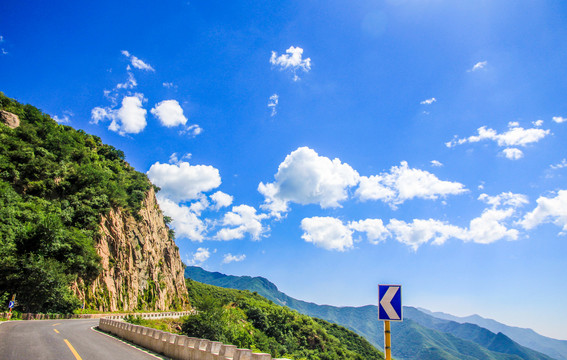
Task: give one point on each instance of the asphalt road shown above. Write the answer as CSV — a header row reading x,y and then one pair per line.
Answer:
x,y
63,340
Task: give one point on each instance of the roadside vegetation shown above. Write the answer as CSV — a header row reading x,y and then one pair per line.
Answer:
x,y
55,183
250,321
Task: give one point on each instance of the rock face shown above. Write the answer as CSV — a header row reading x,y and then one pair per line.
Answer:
x,y
11,120
141,267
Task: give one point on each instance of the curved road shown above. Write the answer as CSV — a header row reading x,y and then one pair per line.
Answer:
x,y
63,340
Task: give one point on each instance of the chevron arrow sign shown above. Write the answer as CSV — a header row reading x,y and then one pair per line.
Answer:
x,y
390,302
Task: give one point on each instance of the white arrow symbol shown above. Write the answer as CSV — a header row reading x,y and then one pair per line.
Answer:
x,y
387,306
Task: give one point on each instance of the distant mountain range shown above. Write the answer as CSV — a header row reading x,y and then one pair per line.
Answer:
x,y
527,337
422,335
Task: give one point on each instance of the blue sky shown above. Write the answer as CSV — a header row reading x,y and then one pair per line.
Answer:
x,y
331,145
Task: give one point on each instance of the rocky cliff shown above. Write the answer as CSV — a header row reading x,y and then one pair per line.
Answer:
x,y
141,267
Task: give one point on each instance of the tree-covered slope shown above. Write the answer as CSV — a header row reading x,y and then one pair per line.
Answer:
x,y
248,320
411,339
55,183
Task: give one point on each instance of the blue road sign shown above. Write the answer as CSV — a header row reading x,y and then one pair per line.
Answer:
x,y
11,304
390,302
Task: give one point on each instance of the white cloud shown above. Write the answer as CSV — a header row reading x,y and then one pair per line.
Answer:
x,y
198,257
548,210
228,258
128,119
419,232
240,221
538,123
173,159
492,225
129,84
304,177
169,113
404,183
65,119
513,153
191,130
185,221
137,63
169,85
479,66
428,101
515,136
221,200
489,228
374,229
292,61
327,232
182,181
561,165
559,119
273,103
436,163
507,199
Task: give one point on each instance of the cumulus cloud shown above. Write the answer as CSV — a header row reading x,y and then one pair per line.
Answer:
x,y
492,225
137,63
559,119
436,163
505,199
478,66
228,258
221,200
404,183
548,210
428,101
537,123
130,118
304,177
292,61
182,181
513,153
374,229
420,231
169,113
185,221
273,103
242,220
327,232
198,257
515,136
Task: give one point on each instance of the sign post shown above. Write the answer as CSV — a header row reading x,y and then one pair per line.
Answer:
x,y
11,305
389,309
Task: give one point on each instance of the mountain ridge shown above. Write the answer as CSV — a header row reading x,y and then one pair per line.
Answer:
x,y
433,343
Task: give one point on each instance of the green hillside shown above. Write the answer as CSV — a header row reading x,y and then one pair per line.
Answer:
x,y
411,339
248,320
55,182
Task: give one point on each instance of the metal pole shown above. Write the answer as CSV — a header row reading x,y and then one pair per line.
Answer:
x,y
387,343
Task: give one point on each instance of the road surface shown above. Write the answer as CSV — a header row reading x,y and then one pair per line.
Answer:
x,y
63,340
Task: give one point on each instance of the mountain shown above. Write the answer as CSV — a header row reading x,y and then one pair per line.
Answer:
x,y
497,342
419,336
249,320
79,225
527,337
